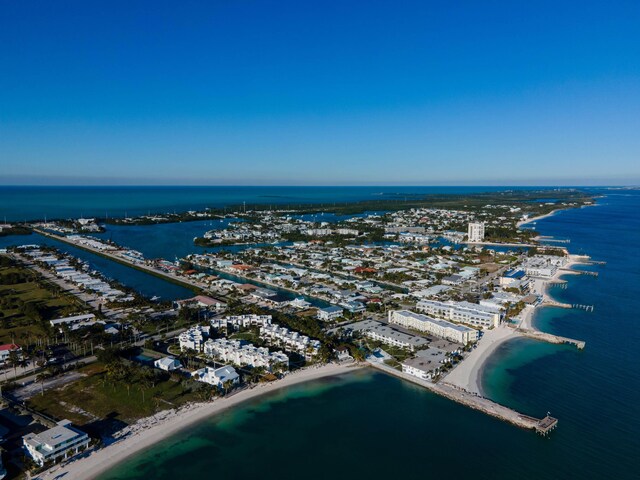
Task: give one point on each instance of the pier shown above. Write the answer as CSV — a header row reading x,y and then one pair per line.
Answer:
x,y
548,337
476,402
586,308
553,303
547,424
551,239
579,272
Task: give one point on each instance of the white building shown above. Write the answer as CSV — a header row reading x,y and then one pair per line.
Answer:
x,y
476,231
5,351
193,339
290,340
244,321
462,312
422,367
61,441
300,303
243,353
168,364
217,376
388,335
330,313
74,321
544,266
433,326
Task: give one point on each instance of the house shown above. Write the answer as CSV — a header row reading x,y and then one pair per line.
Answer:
x,y
217,377
201,301
74,322
168,364
330,313
354,307
61,441
5,350
300,303
343,355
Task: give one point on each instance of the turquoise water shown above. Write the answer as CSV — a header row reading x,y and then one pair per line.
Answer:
x,y
29,203
372,425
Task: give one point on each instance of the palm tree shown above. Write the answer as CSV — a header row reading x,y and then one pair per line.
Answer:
x,y
227,385
14,360
42,376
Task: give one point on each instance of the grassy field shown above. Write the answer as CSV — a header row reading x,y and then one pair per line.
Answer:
x,y
95,398
27,301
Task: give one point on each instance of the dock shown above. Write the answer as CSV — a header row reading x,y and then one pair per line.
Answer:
x,y
476,402
547,424
586,308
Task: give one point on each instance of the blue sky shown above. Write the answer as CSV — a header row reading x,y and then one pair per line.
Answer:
x,y
319,92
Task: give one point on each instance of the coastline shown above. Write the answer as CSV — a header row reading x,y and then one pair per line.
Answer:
x,y
468,374
539,217
149,431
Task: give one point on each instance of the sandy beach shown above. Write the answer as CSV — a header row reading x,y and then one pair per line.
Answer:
x,y
467,374
535,219
149,431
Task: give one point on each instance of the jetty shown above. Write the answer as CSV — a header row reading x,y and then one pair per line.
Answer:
x,y
548,337
476,402
553,303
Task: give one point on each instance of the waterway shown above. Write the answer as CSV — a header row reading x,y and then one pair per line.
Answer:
x,y
145,283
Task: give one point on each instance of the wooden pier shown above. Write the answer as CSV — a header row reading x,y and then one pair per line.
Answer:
x,y
586,308
554,240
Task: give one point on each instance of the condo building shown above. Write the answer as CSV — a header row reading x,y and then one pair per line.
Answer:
x,y
194,338
290,340
462,312
476,231
433,326
243,353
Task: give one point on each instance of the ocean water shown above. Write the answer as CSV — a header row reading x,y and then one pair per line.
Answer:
x,y
20,203
164,240
372,425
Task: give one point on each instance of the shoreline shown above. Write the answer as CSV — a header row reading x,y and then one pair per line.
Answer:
x,y
149,431
539,217
468,374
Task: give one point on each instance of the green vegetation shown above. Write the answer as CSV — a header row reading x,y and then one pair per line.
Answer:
x,y
118,390
28,302
535,202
